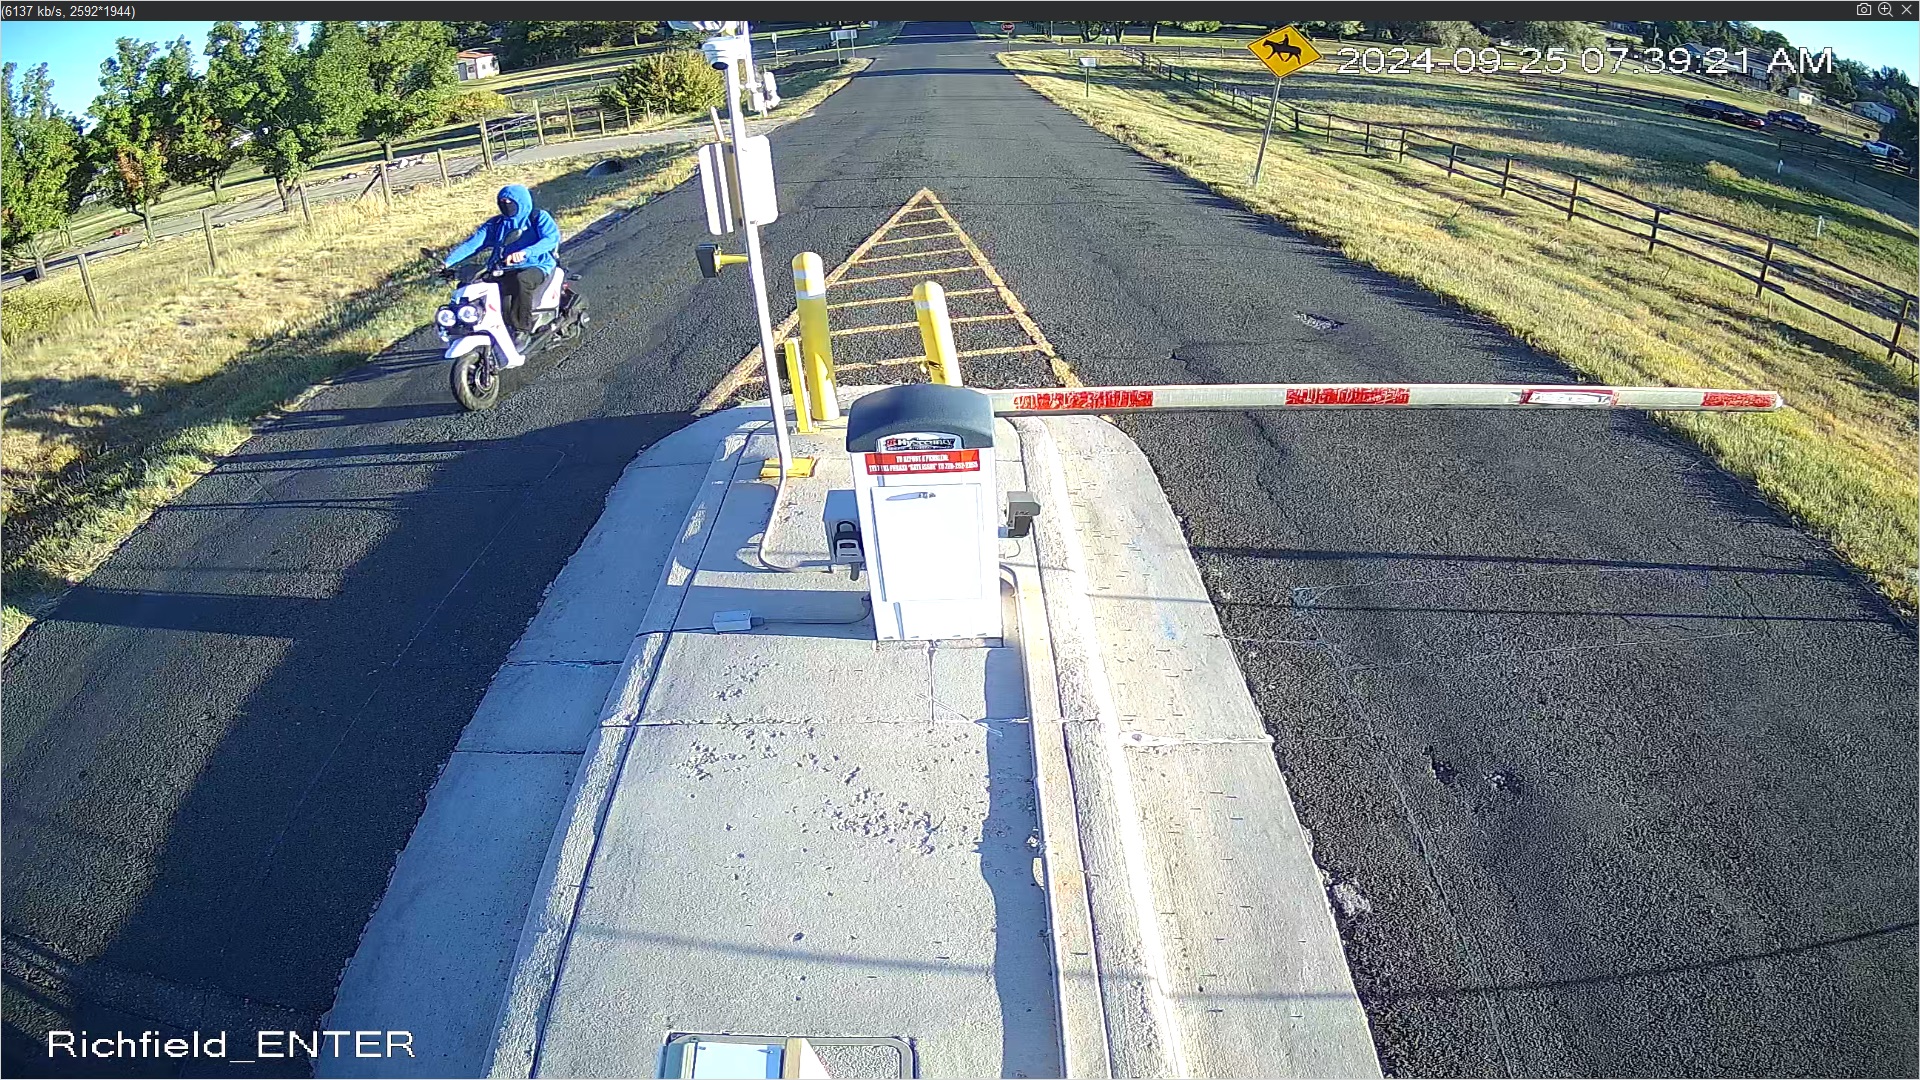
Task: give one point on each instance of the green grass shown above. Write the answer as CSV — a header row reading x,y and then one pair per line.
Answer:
x,y
102,427
1839,459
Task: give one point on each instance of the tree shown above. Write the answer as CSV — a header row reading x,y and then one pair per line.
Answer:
x,y
230,93
39,155
199,147
410,67
306,101
680,81
637,32
128,132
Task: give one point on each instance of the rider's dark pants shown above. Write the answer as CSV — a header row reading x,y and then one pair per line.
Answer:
x,y
519,290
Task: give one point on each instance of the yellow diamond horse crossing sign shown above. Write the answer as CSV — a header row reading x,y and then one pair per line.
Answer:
x,y
1285,51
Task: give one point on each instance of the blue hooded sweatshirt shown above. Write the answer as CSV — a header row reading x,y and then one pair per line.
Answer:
x,y
539,234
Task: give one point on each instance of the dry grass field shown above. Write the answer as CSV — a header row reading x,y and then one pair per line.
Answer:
x,y
1839,459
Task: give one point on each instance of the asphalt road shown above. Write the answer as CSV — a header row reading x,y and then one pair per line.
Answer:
x,y
1621,762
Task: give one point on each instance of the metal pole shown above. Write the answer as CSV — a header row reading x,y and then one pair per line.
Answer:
x,y
757,275
206,226
816,333
93,301
1273,107
797,380
440,159
936,333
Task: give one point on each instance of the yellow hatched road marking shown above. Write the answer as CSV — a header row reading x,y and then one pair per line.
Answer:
x,y
915,274
1004,349
923,202
871,259
744,371
902,299
915,239
916,325
1060,369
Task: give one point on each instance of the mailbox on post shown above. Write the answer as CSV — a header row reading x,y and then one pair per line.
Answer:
x,y
923,476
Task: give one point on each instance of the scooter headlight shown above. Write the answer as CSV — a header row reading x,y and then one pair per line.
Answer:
x,y
444,317
468,313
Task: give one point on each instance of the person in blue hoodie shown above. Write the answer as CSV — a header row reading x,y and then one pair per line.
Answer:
x,y
522,239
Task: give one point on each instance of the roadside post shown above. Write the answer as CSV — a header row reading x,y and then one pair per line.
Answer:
x,y
1284,51
1086,74
797,382
539,125
86,282
743,196
213,256
936,333
440,159
847,36
306,210
816,334
486,148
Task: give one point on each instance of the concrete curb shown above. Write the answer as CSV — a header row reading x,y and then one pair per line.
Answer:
x,y
1142,1035
543,941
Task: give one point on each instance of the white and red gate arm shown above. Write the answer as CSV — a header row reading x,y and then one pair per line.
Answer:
x,y
1249,396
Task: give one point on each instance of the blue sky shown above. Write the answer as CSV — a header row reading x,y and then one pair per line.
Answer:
x,y
73,51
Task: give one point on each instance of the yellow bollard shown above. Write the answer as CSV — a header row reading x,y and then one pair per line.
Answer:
x,y
816,340
936,333
797,383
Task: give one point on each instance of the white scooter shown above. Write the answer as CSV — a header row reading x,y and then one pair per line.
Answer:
x,y
481,346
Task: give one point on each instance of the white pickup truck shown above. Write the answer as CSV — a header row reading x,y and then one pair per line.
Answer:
x,y
1887,153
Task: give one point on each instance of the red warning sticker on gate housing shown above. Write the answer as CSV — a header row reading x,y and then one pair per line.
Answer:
x,y
1052,400
1347,395
1736,399
930,461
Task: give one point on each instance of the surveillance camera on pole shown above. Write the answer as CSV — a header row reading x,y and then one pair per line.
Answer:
x,y
743,196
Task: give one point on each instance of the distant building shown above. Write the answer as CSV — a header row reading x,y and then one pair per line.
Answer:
x,y
1800,95
475,64
1874,111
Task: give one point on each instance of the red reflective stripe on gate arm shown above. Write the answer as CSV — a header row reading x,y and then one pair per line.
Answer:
x,y
1050,400
1348,395
927,461
1738,399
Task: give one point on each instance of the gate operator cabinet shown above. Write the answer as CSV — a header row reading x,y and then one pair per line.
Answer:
x,y
929,510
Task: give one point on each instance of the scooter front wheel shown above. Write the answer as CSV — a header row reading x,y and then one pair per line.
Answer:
x,y
476,380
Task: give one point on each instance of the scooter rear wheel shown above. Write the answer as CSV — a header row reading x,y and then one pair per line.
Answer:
x,y
476,380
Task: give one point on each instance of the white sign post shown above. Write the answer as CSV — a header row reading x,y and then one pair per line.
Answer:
x,y
847,36
752,200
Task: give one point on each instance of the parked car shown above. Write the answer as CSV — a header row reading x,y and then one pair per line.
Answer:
x,y
1793,121
1720,110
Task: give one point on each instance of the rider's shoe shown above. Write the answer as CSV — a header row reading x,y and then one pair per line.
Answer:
x,y
521,339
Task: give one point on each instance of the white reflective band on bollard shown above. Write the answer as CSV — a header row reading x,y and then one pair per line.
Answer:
x,y
1244,396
